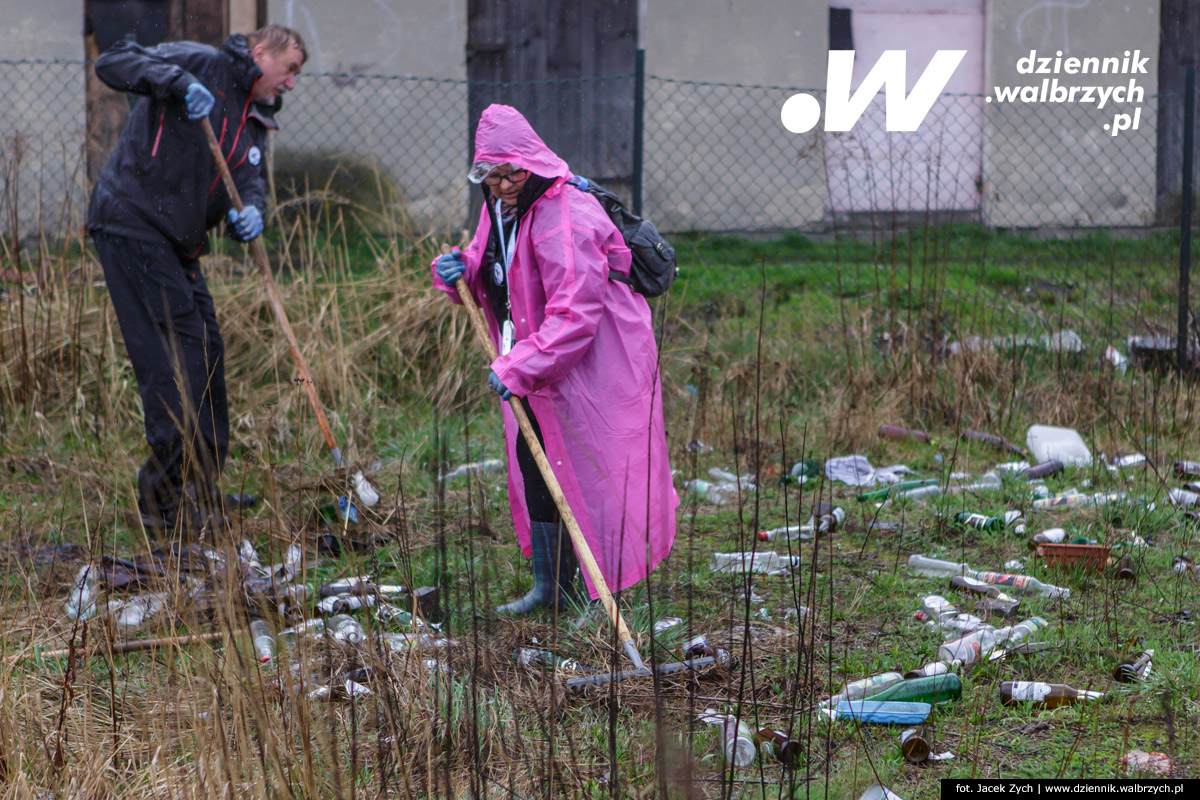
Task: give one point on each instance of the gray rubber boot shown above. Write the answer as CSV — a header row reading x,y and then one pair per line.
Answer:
x,y
551,548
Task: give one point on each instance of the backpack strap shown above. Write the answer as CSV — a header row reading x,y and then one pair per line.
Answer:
x,y
583,184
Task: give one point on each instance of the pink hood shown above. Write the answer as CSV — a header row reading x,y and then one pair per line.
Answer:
x,y
505,137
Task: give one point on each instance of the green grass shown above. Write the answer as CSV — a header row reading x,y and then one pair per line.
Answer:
x,y
772,350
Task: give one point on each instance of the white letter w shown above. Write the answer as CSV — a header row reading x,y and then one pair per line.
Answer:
x,y
902,113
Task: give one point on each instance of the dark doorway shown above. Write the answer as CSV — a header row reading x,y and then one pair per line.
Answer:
x,y
557,62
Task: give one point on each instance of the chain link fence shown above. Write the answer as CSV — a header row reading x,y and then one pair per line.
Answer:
x,y
715,157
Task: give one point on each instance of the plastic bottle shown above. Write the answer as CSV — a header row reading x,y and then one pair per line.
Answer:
x,y
81,599
472,468
970,585
716,494
737,740
1023,630
972,647
356,584
936,568
248,555
1134,669
264,642
762,561
1024,584
1043,695
914,494
724,477
913,746
885,712
1023,649
344,628
865,687
932,689
791,533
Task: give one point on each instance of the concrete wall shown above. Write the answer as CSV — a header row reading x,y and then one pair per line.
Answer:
x,y
717,157
415,131
44,106
1057,164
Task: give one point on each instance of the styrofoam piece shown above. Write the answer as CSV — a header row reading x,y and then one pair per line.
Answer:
x,y
1047,443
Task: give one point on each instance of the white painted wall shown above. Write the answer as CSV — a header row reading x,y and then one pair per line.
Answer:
x,y
415,131
44,106
718,157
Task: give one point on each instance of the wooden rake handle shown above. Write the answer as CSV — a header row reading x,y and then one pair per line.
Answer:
x,y
560,499
264,269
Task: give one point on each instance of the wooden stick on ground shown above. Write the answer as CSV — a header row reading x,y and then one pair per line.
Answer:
x,y
560,499
127,647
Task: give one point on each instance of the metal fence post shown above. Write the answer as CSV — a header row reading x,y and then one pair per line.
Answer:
x,y
1185,219
639,102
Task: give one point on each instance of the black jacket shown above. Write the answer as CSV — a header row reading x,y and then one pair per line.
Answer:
x,y
161,180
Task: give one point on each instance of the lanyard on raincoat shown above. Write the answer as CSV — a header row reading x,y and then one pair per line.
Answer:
x,y
507,329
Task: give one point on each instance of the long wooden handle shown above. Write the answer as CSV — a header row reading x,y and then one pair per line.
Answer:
x,y
560,499
126,647
264,269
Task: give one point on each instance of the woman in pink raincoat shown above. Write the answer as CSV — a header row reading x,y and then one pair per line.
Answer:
x,y
578,348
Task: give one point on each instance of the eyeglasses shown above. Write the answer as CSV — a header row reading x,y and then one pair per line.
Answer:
x,y
516,176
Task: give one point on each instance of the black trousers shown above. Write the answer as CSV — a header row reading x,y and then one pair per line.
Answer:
x,y
537,494
170,328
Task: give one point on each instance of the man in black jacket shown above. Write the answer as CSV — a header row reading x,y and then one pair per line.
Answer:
x,y
149,217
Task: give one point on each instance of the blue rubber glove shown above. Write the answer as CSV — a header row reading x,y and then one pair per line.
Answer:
x,y
248,224
450,267
498,387
199,101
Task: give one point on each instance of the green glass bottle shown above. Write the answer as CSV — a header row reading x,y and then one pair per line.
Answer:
x,y
934,689
895,488
982,522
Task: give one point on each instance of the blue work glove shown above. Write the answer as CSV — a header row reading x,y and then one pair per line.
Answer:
x,y
498,387
450,267
248,224
199,101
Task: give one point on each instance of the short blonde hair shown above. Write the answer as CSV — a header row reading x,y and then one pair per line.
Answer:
x,y
278,38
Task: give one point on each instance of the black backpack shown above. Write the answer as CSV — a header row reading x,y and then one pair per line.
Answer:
x,y
653,269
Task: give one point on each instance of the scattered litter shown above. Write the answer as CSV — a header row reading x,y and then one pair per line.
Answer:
x,y
737,740
1032,728
1114,356
883,712
667,623
474,468
878,792
698,447
764,562
1065,341
1014,564
1141,761
1133,460
856,470
746,482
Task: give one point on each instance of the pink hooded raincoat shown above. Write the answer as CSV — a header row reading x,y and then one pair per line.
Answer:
x,y
585,358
